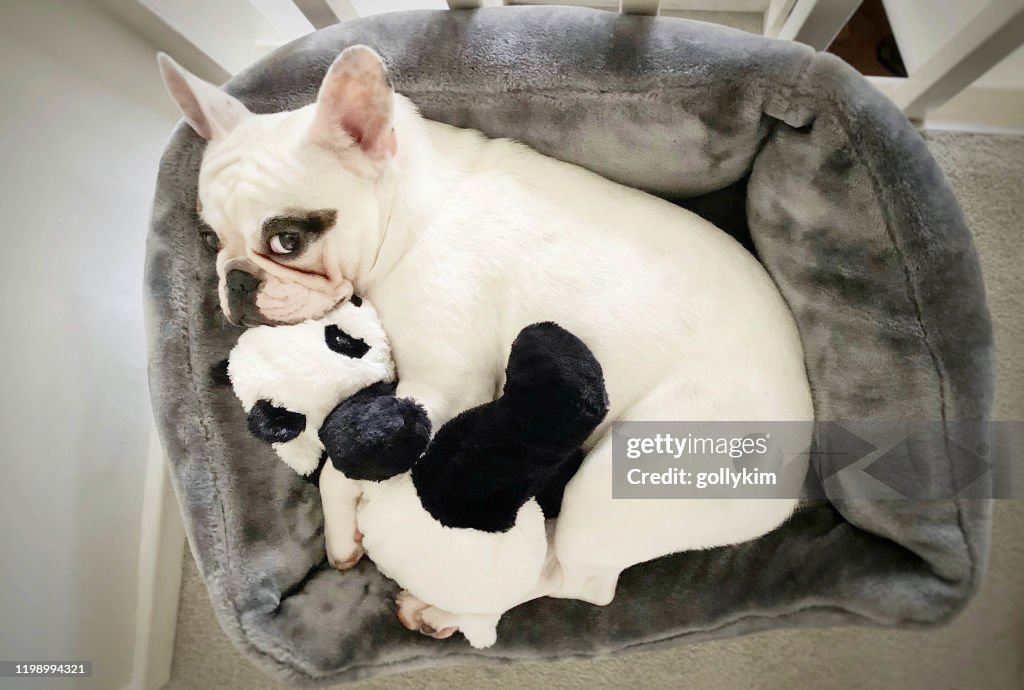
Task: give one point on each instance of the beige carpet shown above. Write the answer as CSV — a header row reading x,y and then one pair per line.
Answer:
x,y
982,649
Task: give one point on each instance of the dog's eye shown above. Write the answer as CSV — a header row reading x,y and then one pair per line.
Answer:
x,y
211,239
285,242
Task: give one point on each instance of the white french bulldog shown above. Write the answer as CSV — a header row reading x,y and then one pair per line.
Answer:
x,y
460,241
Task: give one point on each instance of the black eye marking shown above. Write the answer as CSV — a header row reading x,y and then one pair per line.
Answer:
x,y
219,373
344,344
275,424
356,300
287,236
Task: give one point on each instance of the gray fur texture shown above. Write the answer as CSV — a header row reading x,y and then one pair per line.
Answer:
x,y
786,148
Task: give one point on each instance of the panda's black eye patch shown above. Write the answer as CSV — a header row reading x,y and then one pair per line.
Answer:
x,y
345,344
275,424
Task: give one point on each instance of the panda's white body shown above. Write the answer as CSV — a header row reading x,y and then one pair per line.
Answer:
x,y
292,368
469,576
466,572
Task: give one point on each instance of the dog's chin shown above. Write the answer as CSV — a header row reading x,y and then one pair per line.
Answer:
x,y
289,306
248,320
281,303
258,319
295,318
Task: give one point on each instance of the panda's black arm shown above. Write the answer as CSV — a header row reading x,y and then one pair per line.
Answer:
x,y
555,386
373,435
482,466
550,491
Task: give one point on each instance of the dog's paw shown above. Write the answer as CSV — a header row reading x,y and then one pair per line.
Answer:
x,y
373,437
342,558
410,610
418,616
344,553
438,623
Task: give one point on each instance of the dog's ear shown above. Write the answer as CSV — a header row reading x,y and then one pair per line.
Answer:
x,y
355,106
211,112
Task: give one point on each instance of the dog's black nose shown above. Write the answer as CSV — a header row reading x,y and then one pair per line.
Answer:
x,y
242,283
242,287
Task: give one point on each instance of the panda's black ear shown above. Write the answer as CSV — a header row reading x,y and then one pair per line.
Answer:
x,y
345,344
274,424
356,300
219,373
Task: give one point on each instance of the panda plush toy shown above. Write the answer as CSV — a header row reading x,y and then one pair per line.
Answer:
x,y
458,521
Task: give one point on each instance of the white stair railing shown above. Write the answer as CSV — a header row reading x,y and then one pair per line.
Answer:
x,y
993,34
216,38
814,22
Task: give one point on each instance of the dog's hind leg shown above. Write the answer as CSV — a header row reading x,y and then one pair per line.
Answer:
x,y
596,537
573,544
593,584
479,629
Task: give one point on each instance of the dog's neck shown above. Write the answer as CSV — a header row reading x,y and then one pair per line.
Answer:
x,y
414,188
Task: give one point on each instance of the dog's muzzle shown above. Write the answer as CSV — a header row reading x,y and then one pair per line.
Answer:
x,y
243,280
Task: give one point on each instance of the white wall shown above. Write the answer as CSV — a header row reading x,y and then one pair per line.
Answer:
x,y
235,33
1008,74
83,119
923,27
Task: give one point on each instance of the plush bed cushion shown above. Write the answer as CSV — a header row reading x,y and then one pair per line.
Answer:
x,y
783,147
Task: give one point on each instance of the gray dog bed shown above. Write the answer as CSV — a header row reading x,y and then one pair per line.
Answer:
x,y
789,150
